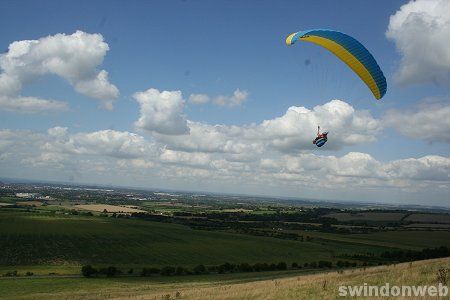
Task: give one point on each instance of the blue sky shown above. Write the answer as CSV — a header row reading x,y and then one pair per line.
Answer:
x,y
214,48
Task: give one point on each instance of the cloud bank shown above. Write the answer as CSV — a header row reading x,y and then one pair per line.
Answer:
x,y
74,57
421,31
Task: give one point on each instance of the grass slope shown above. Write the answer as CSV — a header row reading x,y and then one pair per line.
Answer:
x,y
227,286
34,239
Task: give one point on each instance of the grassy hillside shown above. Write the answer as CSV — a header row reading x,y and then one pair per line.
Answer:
x,y
226,286
36,239
43,243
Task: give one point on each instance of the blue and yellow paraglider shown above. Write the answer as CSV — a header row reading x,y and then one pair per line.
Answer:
x,y
350,51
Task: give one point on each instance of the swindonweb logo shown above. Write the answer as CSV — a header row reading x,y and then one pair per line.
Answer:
x,y
387,290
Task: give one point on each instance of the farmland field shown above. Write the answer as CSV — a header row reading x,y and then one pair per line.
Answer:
x,y
435,218
414,239
29,239
32,240
367,216
107,208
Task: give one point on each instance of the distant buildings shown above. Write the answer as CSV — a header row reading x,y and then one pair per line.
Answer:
x,y
33,196
27,195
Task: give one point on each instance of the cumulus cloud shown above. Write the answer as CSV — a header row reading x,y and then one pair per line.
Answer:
x,y
421,31
102,153
74,57
185,158
31,104
428,121
237,99
294,129
199,98
359,169
292,132
118,144
161,112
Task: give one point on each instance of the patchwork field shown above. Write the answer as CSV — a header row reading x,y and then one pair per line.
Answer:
x,y
425,218
367,216
415,239
107,208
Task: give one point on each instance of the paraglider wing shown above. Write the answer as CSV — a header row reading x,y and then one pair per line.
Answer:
x,y
350,51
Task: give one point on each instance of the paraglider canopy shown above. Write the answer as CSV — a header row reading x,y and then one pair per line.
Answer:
x,y
350,51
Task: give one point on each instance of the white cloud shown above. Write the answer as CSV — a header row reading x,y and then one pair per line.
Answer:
x,y
236,99
294,131
136,163
31,104
297,127
118,144
421,31
428,121
358,169
73,57
199,98
427,168
207,138
185,158
101,154
161,112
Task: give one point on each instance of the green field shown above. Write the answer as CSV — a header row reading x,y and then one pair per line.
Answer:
x,y
28,239
46,243
406,239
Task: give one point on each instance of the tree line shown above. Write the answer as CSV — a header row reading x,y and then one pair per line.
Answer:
x,y
111,271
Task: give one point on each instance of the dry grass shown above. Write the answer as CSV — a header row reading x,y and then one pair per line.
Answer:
x,y
109,208
313,286
318,286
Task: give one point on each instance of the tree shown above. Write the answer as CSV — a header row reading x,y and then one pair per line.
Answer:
x,y
245,267
150,271
88,271
200,269
180,270
111,271
281,265
167,271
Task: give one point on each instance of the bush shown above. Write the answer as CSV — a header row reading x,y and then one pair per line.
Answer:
x,y
180,270
11,274
200,269
88,271
245,267
111,271
150,271
294,265
167,271
226,267
281,265
325,264
29,273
